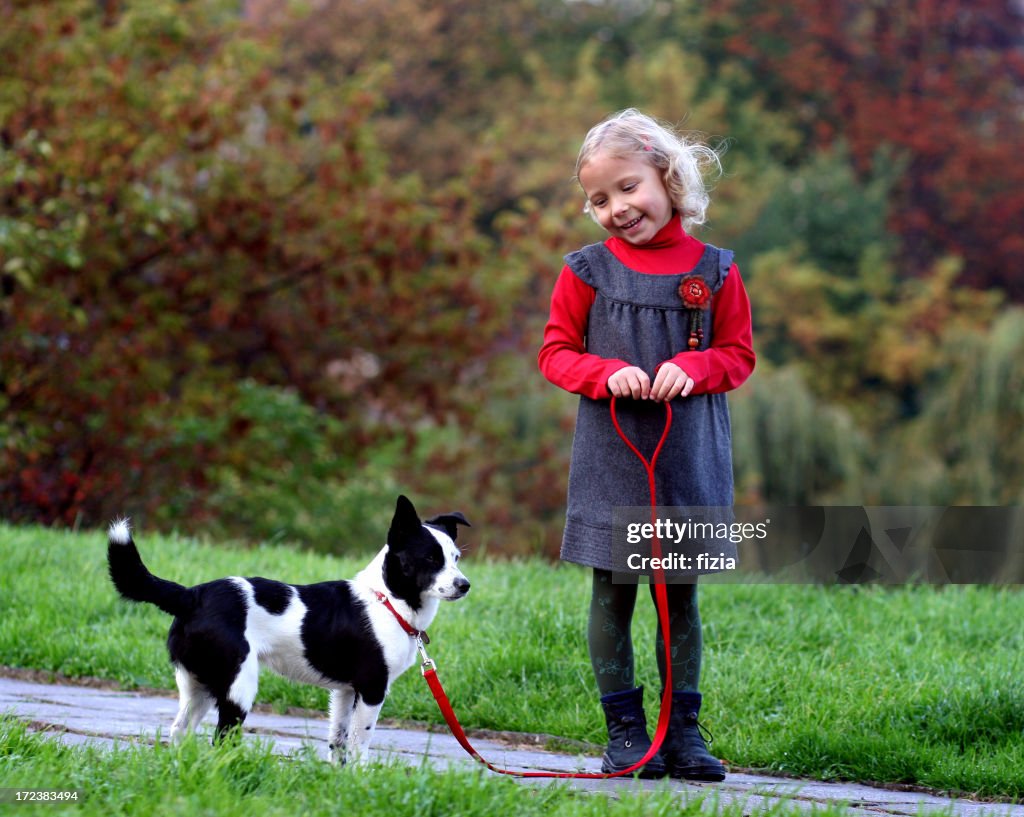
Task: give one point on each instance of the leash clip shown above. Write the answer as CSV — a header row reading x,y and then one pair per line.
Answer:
x,y
428,662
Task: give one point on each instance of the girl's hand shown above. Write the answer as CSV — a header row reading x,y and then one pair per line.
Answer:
x,y
670,382
630,381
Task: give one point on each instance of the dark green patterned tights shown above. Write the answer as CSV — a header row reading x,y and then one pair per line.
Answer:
x,y
611,643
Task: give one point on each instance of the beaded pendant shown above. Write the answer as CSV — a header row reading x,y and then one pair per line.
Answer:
x,y
696,297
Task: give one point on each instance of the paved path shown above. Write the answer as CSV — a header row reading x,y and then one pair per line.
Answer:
x,y
78,715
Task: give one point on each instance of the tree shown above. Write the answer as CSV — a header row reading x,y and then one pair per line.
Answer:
x,y
179,215
937,82
870,342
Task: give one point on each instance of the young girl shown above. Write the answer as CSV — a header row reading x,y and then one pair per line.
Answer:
x,y
649,315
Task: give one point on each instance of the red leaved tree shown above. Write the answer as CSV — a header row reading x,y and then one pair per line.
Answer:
x,y
939,82
178,215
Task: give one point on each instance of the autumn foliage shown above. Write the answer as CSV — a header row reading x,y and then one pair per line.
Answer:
x,y
260,271
181,218
937,83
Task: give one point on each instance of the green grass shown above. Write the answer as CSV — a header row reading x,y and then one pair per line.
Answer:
x,y
913,685
193,778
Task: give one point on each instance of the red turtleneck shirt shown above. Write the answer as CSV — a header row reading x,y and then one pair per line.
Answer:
x,y
728,362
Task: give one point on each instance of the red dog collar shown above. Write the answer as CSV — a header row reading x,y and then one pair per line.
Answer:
x,y
412,631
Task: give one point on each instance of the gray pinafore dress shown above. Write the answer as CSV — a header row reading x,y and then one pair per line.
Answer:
x,y
640,318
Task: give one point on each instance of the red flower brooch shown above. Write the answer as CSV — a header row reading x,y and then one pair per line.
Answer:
x,y
696,295
695,292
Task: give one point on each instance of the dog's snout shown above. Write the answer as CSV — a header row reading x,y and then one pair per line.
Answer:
x,y
462,586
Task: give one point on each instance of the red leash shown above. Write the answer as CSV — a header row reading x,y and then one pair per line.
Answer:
x,y
661,598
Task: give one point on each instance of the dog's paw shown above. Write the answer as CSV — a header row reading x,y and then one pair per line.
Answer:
x,y
336,755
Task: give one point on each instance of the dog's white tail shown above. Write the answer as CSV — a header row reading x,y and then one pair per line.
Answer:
x,y
134,581
120,531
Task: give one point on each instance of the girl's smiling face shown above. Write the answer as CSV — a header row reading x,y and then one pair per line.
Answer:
x,y
627,196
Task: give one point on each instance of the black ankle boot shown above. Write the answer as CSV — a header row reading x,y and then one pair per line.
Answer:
x,y
627,734
686,754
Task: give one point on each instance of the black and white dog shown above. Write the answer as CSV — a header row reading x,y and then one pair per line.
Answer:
x,y
351,637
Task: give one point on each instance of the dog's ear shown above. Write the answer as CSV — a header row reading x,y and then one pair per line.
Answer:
x,y
404,524
450,522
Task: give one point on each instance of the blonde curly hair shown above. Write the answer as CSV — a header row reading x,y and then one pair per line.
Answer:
x,y
684,163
